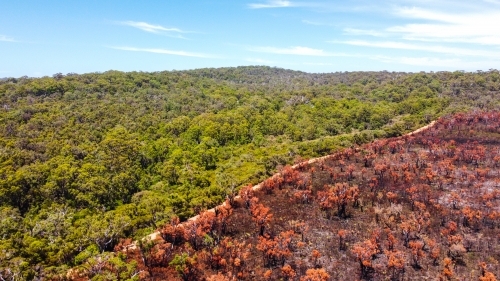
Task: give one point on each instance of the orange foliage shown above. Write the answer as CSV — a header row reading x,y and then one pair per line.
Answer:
x,y
364,252
268,274
247,193
174,232
261,216
315,256
275,251
447,269
315,275
302,196
218,277
288,272
395,263
339,195
391,239
417,252
434,250
486,275
342,239
391,197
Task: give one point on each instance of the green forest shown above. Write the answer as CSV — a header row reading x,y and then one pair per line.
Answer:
x,y
89,159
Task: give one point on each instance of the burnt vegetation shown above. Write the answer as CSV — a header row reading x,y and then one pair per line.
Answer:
x,y
423,206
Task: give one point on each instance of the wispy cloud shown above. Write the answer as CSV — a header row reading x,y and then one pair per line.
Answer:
x,y
165,52
312,22
6,39
297,50
460,36
426,14
355,31
318,23
459,27
435,21
153,28
281,4
496,2
271,4
150,27
426,48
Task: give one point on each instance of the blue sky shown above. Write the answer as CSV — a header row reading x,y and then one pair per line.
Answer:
x,y
40,38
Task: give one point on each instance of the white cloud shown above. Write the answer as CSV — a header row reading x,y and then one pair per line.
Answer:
x,y
6,39
282,4
271,4
354,31
459,27
427,48
165,52
496,2
298,50
151,27
312,22
464,34
317,23
419,13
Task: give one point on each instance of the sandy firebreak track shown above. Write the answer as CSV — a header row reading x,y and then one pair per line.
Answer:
x,y
156,235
